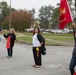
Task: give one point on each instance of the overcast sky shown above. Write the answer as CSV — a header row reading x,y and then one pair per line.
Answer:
x,y
30,4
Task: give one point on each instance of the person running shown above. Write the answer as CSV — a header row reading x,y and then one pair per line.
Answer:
x,y
11,37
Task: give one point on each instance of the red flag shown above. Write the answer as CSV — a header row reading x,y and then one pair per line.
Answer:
x,y
8,42
65,14
74,74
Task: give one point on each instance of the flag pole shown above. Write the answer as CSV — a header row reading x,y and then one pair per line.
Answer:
x,y
75,6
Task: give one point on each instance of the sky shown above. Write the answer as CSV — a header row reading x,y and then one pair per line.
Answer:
x,y
30,4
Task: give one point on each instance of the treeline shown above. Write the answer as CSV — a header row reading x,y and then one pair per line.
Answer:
x,y
48,17
20,19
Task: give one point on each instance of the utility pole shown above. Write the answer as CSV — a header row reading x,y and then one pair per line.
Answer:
x,y
10,16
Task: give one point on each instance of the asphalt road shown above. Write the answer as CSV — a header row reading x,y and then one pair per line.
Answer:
x,y
55,62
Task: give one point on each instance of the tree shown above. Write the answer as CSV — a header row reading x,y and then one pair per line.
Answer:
x,y
32,12
55,18
19,20
45,14
5,11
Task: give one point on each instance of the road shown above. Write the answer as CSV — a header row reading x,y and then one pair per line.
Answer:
x,y
55,62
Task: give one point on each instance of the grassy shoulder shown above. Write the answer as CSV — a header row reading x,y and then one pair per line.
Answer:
x,y
51,39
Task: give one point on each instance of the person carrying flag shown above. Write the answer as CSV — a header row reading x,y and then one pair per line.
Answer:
x,y
11,37
73,59
65,18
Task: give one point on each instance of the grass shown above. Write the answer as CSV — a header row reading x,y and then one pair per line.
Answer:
x,y
50,36
28,34
25,39
61,38
56,34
